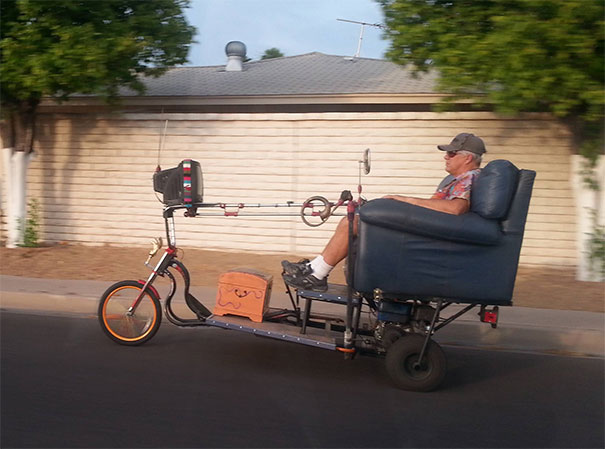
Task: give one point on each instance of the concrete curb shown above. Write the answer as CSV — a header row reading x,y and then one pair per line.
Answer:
x,y
545,331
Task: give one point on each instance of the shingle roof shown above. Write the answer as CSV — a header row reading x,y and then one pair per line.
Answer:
x,y
308,74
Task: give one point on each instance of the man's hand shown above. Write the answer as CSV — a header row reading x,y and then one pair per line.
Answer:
x,y
457,206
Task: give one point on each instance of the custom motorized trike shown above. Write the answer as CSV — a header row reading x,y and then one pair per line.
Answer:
x,y
405,267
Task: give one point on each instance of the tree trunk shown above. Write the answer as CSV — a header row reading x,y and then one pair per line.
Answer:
x,y
587,179
590,212
18,138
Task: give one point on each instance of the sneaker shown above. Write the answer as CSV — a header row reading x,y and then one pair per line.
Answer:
x,y
306,282
301,267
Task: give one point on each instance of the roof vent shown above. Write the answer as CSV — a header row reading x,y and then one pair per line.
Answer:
x,y
236,52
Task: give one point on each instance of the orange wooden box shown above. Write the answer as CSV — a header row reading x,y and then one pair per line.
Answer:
x,y
243,292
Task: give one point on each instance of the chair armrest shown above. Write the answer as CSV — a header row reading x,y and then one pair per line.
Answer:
x,y
404,217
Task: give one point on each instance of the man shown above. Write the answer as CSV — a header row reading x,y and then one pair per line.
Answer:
x,y
462,161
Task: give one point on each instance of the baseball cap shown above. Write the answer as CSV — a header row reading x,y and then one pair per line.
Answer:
x,y
466,142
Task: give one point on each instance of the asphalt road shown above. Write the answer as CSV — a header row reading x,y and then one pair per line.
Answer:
x,y
64,384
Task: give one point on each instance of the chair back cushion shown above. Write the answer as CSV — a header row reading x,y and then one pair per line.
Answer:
x,y
493,189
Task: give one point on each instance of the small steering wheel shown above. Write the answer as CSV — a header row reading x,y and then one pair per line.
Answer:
x,y
316,207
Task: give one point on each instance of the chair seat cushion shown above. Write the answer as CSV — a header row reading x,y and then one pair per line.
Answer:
x,y
404,217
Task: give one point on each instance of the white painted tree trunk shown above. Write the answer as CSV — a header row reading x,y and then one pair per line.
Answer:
x,y
588,202
15,165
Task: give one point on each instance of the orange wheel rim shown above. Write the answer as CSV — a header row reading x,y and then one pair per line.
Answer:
x,y
106,317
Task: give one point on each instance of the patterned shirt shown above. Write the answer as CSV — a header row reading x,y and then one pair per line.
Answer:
x,y
459,187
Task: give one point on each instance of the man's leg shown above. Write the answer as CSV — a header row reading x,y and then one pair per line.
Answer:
x,y
313,275
338,246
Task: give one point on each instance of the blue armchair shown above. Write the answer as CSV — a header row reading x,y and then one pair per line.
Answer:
x,y
410,251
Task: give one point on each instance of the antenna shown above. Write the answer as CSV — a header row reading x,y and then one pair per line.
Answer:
x,y
363,25
161,145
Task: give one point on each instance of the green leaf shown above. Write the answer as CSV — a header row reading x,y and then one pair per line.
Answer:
x,y
61,47
519,55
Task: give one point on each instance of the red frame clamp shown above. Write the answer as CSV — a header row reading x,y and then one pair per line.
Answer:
x,y
233,213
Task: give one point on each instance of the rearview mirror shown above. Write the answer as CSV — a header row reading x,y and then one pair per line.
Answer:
x,y
366,161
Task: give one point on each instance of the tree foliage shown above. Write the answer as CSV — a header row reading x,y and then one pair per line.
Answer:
x,y
517,55
272,53
57,48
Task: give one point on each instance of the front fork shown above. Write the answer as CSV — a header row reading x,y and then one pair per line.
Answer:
x,y
161,266
164,262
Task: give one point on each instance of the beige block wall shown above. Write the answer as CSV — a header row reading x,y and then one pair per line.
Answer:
x,y
93,173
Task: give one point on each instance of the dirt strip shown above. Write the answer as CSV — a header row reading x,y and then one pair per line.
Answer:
x,y
547,288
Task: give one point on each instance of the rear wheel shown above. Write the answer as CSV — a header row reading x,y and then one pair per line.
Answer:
x,y
405,371
126,326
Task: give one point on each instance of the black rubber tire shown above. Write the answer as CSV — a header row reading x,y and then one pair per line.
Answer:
x,y
130,330
401,364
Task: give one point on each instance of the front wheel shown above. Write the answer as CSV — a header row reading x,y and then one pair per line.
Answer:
x,y
124,323
405,371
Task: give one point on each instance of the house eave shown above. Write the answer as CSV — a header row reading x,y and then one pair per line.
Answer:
x,y
320,99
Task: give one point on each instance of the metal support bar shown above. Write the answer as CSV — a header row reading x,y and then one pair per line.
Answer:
x,y
306,315
453,317
256,214
429,333
357,318
348,337
242,210
170,230
295,305
218,322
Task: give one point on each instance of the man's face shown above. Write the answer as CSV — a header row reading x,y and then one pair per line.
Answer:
x,y
456,162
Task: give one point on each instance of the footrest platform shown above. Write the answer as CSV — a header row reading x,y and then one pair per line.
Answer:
x,y
336,294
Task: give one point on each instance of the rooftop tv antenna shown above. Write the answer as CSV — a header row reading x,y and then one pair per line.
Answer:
x,y
363,25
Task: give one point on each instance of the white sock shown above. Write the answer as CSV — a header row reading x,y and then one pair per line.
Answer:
x,y
320,268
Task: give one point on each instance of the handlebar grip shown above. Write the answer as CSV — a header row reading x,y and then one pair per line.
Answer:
x,y
346,195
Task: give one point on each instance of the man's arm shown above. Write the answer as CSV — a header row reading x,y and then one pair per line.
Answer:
x,y
456,206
